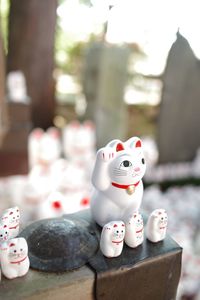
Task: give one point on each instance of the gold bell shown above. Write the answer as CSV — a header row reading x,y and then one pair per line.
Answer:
x,y
130,190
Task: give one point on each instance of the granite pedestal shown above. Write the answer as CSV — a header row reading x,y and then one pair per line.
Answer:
x,y
149,272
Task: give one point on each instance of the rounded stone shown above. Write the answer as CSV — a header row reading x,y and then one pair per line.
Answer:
x,y
60,244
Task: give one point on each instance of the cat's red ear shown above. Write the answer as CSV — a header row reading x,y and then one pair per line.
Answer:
x,y
37,133
74,124
115,225
11,245
119,147
89,125
134,142
138,144
53,132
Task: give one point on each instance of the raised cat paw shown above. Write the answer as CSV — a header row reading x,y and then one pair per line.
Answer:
x,y
105,155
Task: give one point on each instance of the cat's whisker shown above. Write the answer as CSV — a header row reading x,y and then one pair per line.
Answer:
x,y
120,171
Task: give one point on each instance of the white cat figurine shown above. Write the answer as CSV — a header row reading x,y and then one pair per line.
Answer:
x,y
112,239
157,225
79,141
4,235
134,230
44,148
11,217
14,260
116,177
16,86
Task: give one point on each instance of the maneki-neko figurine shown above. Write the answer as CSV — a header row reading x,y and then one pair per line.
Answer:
x,y
134,230
157,225
117,179
14,259
112,239
11,217
4,235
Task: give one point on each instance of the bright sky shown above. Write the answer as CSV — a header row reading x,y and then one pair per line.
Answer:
x,y
150,23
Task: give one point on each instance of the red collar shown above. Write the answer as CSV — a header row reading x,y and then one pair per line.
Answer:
x,y
139,230
14,227
114,242
124,186
19,261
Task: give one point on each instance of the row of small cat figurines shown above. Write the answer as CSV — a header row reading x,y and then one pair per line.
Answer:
x,y
115,233
13,250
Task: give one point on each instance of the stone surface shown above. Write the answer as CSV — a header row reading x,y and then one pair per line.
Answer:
x,y
36,285
60,244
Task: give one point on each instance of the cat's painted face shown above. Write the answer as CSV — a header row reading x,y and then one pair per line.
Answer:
x,y
11,216
161,219
4,233
128,166
118,232
18,249
136,221
115,231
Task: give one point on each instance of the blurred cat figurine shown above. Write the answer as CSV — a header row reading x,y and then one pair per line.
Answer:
x,y
116,177
16,87
14,260
79,140
44,147
112,239
157,225
11,217
134,231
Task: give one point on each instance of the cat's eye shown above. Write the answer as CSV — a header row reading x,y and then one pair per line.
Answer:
x,y
6,232
15,251
143,161
122,231
21,249
1,235
126,164
117,231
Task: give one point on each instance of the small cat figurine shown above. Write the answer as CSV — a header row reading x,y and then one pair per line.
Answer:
x,y
14,260
112,239
116,177
157,225
4,235
134,230
11,217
